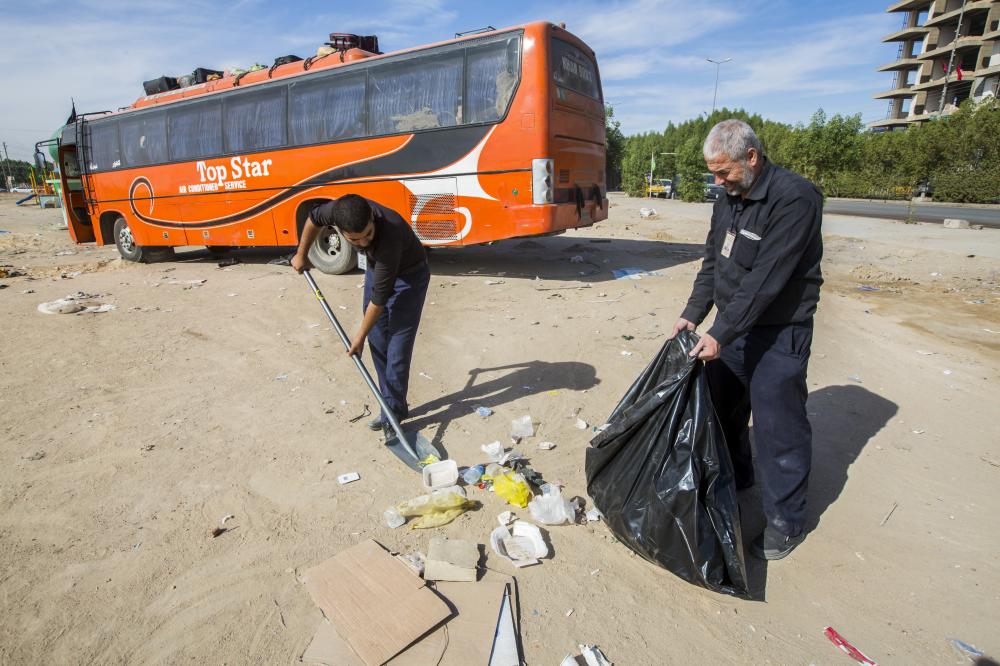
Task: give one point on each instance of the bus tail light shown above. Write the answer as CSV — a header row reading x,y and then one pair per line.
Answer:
x,y
541,181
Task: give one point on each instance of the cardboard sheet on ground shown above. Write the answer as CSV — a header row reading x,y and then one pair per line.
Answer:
x,y
466,639
375,602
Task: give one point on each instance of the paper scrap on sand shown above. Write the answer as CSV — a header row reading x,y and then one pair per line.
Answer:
x,y
633,273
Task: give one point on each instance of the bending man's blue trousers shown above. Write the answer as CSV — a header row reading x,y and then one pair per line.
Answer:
x,y
392,338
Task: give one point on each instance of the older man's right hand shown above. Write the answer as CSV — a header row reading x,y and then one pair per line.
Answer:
x,y
682,325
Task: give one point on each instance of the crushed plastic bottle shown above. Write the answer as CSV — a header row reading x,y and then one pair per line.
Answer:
x,y
472,474
393,518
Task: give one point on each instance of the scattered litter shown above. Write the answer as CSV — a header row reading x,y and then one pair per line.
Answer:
x,y
891,509
37,455
393,518
851,651
978,301
226,517
919,431
147,447
581,424
966,649
425,375
648,213
451,560
441,474
65,253
28,291
436,509
628,337
633,273
484,411
471,475
925,353
282,377
78,303
415,561
946,372
935,274
188,284
281,261
551,508
8,272
595,572
594,515
569,612
523,544
626,353
576,259
546,446
231,295
348,478
493,450
511,487
865,287
365,412
217,531
493,282
522,427
506,518
855,378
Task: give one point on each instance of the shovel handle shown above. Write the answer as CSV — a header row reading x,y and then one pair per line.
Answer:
x,y
361,366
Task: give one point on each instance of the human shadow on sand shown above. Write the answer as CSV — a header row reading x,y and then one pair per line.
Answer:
x,y
491,387
844,419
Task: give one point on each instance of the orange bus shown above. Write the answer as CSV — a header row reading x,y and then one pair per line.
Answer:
x,y
492,136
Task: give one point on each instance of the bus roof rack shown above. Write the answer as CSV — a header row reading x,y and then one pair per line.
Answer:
x,y
477,31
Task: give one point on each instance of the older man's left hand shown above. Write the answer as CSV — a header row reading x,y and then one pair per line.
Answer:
x,y
707,349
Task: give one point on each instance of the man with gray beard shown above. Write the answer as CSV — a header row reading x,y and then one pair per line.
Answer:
x,y
762,272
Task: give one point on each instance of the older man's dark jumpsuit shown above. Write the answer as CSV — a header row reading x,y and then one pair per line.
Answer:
x,y
396,278
766,287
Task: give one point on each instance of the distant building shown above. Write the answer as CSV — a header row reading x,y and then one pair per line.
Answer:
x,y
964,33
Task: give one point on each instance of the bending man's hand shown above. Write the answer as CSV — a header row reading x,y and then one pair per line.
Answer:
x,y
300,262
357,345
707,349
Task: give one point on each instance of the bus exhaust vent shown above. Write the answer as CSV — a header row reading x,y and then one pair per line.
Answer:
x,y
563,175
436,229
432,204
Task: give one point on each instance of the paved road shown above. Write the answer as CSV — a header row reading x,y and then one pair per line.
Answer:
x,y
989,217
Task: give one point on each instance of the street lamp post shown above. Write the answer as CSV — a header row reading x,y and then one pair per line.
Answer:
x,y
718,64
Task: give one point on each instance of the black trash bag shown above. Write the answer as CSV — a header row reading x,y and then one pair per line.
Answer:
x,y
661,474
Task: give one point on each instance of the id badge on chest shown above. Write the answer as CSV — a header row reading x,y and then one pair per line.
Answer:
x,y
727,245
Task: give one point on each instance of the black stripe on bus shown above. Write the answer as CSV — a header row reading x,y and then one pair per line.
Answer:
x,y
425,152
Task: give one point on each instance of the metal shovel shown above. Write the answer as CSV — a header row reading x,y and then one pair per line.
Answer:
x,y
411,455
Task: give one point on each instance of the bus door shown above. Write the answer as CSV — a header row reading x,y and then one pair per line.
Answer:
x,y
74,203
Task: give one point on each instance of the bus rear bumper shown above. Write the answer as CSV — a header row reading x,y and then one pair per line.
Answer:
x,y
536,220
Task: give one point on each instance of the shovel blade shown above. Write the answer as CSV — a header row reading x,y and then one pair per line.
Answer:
x,y
420,444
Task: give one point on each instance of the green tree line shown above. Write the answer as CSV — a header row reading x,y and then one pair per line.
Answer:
x,y
958,155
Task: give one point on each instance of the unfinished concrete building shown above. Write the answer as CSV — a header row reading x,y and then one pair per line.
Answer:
x,y
949,51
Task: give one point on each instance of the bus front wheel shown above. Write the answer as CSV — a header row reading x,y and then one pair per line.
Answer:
x,y
332,254
130,250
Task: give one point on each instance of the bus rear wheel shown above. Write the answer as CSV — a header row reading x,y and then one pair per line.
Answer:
x,y
331,254
131,251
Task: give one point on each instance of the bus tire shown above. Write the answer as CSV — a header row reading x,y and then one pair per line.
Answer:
x,y
130,251
331,254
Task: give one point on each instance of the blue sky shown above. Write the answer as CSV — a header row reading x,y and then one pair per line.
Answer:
x,y
789,57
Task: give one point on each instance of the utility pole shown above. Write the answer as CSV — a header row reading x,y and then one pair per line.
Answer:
x,y
951,59
8,179
718,64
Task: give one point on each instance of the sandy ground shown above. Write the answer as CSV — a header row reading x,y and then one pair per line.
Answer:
x,y
128,435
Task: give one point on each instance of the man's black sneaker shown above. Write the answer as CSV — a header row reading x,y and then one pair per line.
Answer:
x,y
773,545
375,424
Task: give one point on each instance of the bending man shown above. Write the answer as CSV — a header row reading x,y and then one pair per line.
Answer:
x,y
396,282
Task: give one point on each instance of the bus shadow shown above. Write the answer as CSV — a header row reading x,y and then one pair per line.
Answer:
x,y
575,258
242,255
516,381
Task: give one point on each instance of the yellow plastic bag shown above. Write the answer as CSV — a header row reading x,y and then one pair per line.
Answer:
x,y
512,487
434,510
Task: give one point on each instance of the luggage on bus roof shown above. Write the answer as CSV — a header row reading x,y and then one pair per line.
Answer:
x,y
162,84
284,60
345,40
201,75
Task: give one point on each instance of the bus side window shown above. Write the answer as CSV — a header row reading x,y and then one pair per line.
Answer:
x,y
144,139
492,75
103,151
195,130
422,93
328,109
255,120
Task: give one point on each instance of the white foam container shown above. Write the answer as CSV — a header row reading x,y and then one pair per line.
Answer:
x,y
441,474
